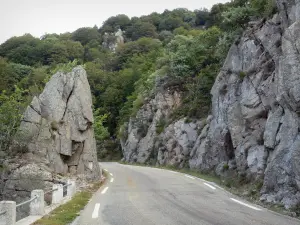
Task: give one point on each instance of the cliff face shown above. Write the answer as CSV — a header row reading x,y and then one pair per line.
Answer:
x,y
254,126
57,137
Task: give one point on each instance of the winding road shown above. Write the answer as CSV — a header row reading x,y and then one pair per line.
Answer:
x,y
147,196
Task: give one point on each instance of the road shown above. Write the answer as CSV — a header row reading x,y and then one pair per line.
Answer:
x,y
148,196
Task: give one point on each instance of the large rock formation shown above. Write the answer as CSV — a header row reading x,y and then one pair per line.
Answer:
x,y
57,137
254,126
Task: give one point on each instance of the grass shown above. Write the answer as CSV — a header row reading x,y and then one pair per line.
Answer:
x,y
66,213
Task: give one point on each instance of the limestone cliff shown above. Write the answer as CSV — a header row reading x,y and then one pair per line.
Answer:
x,y
254,126
57,136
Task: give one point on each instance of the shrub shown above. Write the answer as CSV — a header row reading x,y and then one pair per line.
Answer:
x,y
160,126
226,167
54,125
242,75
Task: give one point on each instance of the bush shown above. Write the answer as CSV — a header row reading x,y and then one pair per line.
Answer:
x,y
160,126
54,125
242,75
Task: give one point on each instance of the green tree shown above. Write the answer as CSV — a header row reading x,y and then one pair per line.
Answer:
x,y
11,109
101,132
113,23
141,29
237,17
86,34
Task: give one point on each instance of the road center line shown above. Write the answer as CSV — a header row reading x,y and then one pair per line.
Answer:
x,y
245,204
104,190
208,185
111,180
96,211
190,177
111,174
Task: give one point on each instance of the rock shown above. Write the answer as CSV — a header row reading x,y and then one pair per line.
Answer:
x,y
58,135
254,124
272,126
112,40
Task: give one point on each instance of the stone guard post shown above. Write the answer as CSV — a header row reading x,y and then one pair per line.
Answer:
x,y
37,206
8,213
71,188
57,194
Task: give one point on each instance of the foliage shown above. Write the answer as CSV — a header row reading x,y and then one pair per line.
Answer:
x,y
160,126
11,109
101,132
237,16
141,29
115,22
264,7
86,34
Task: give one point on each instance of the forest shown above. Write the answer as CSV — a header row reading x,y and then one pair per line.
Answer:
x,y
187,47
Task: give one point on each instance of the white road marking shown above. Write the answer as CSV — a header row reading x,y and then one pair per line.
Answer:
x,y
190,177
96,211
104,190
172,171
245,204
208,185
111,174
106,170
111,180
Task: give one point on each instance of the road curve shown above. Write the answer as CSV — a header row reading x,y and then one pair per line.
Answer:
x,y
148,196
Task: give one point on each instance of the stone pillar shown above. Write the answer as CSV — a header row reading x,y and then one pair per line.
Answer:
x,y
101,175
71,188
37,206
9,217
57,194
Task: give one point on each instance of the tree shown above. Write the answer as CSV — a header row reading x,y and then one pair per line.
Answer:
x,y
141,29
170,23
237,17
101,132
86,34
11,74
11,110
202,16
113,23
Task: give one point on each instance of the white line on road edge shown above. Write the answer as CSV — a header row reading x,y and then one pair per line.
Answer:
x,y
208,185
172,171
106,170
96,211
111,180
111,174
245,204
190,177
104,190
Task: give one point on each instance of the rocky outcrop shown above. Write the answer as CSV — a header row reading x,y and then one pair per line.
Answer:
x,y
142,131
56,136
254,126
112,40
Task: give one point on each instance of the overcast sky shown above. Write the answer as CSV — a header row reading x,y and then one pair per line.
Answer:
x,y
58,16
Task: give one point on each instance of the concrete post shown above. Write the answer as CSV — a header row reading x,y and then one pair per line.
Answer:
x,y
58,194
71,189
101,173
9,217
37,206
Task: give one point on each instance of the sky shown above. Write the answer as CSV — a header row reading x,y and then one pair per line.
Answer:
x,y
39,17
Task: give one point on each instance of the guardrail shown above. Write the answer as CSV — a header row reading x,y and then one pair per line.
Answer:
x,y
37,203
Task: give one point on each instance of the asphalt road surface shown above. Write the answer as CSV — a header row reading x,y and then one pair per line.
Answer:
x,y
148,196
